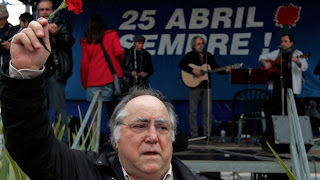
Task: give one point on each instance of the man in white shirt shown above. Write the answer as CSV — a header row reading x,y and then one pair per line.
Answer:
x,y
285,66
292,63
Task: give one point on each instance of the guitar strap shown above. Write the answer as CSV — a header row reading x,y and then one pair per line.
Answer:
x,y
201,58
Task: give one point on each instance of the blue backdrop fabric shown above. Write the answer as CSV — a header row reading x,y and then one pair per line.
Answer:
x,y
236,31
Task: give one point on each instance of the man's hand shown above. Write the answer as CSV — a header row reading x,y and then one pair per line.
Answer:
x,y
53,28
6,45
133,73
196,72
228,69
296,60
143,74
266,64
26,50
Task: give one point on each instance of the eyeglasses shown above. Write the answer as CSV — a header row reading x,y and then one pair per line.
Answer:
x,y
200,43
161,126
45,9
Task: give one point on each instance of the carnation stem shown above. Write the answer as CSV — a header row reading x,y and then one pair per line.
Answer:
x,y
44,45
52,15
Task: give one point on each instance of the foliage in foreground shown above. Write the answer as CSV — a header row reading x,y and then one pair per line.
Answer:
x,y
284,166
9,169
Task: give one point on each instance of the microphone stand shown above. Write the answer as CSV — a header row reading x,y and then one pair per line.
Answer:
x,y
208,95
135,78
282,83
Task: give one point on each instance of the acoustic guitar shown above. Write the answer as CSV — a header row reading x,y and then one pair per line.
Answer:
x,y
275,68
191,80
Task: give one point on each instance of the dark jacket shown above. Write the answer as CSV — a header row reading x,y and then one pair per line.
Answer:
x,y
32,144
60,60
144,63
192,57
6,34
316,70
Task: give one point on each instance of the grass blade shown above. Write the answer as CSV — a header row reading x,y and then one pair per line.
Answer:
x,y
284,166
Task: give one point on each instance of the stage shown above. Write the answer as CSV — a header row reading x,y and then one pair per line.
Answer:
x,y
238,158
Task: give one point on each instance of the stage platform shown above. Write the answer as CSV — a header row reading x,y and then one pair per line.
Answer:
x,y
233,157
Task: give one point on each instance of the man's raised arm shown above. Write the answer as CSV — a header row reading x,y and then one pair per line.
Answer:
x,y
27,52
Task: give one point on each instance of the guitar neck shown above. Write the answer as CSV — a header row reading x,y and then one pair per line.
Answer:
x,y
217,69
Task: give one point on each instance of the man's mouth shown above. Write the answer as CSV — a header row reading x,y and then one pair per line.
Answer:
x,y
150,153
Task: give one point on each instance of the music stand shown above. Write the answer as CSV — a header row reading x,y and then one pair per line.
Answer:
x,y
249,76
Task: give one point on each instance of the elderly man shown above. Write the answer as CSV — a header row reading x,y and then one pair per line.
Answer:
x,y
7,31
143,125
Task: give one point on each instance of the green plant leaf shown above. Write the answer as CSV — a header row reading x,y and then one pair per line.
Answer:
x,y
56,127
284,166
61,132
5,168
14,169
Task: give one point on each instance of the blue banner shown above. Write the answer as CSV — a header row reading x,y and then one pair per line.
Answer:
x,y
235,32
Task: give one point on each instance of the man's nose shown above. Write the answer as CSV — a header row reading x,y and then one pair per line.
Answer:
x,y
152,135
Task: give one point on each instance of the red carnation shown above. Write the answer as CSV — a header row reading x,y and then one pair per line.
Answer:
x,y
287,15
74,5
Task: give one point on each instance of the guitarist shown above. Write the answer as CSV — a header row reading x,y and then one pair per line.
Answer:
x,y
198,56
290,69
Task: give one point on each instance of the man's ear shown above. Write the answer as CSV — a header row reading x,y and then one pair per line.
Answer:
x,y
117,146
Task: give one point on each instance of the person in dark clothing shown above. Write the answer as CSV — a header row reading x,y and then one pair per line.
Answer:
x,y
25,19
59,64
137,64
200,59
7,31
142,127
316,70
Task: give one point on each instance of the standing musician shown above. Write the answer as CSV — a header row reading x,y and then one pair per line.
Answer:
x,y
285,66
137,64
286,63
198,56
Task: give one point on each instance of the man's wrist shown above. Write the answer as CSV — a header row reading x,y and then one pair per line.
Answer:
x,y
24,73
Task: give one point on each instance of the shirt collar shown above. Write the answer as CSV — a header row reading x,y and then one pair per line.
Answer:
x,y
167,176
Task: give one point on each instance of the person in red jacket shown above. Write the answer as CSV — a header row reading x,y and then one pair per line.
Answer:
x,y
95,72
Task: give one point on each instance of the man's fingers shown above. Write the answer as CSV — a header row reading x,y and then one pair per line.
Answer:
x,y
23,39
35,31
45,26
33,38
37,27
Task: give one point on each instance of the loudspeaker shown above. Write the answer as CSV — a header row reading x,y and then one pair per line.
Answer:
x,y
278,136
281,129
